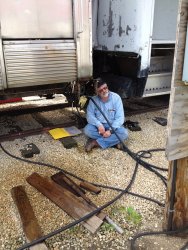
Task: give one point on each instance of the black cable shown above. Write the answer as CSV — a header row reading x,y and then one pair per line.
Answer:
x,y
123,191
142,154
185,247
136,157
80,117
145,164
133,155
83,218
79,178
155,233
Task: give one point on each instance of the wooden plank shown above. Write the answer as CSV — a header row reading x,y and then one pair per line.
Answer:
x,y
176,209
71,204
177,142
180,42
180,216
167,224
61,179
90,187
30,224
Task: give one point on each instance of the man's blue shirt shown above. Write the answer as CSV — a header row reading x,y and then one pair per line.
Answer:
x,y
112,108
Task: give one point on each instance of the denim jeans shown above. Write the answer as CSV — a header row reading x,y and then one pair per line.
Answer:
x,y
92,132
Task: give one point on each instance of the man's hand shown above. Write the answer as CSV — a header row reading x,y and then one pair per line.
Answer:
x,y
101,130
107,134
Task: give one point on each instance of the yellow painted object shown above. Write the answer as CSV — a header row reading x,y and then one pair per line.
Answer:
x,y
58,133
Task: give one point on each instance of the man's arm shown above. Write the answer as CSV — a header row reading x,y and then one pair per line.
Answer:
x,y
91,118
119,115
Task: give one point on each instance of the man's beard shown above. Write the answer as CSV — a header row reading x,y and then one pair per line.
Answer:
x,y
105,94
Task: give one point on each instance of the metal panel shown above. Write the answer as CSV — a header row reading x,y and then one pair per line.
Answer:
x,y
158,84
83,37
185,66
159,64
126,26
1,80
39,62
36,19
165,19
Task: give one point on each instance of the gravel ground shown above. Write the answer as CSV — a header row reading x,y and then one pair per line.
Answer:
x,y
111,167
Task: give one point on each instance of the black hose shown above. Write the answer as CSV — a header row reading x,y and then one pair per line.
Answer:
x,y
148,166
133,155
83,218
79,178
136,157
156,233
185,247
123,191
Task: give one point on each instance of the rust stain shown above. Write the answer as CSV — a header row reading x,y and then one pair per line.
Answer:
x,y
117,46
110,21
121,31
128,29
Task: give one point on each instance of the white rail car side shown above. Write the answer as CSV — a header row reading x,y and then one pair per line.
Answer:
x,y
134,42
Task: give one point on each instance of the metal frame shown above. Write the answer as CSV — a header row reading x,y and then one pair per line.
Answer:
x,y
2,65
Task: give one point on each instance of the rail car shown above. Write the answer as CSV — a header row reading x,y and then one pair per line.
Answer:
x,y
134,43
59,46
44,46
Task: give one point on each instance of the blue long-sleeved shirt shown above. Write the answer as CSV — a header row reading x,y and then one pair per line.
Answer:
x,y
112,108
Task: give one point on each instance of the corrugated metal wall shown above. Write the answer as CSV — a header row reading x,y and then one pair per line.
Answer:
x,y
40,62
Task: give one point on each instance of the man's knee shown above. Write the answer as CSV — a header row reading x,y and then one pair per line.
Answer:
x,y
89,130
86,130
123,133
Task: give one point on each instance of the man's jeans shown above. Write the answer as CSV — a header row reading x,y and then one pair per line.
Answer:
x,y
92,132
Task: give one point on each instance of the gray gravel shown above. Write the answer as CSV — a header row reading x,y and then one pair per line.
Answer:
x,y
110,167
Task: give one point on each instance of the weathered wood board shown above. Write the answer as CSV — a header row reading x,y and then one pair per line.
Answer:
x,y
177,142
64,181
61,179
71,204
176,209
177,217
180,216
30,224
89,187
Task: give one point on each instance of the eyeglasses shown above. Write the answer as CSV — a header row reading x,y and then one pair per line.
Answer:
x,y
101,90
